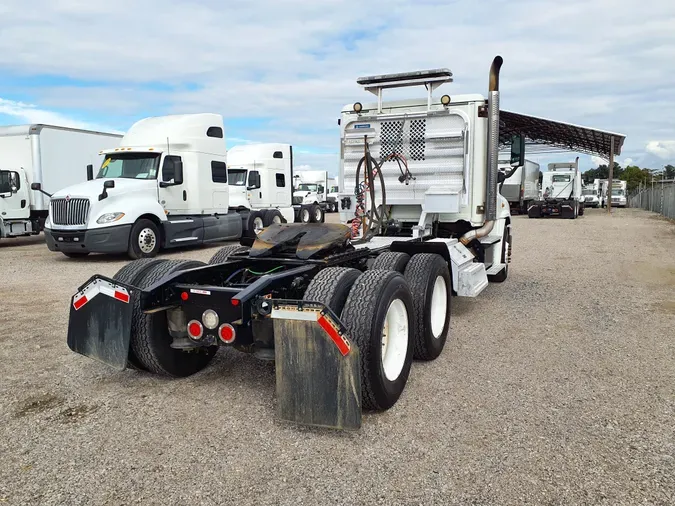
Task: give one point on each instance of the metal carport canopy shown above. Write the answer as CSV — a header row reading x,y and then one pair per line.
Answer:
x,y
556,134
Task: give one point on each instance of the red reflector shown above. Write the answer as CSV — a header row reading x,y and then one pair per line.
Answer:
x,y
80,302
184,296
235,302
124,297
226,333
194,329
341,343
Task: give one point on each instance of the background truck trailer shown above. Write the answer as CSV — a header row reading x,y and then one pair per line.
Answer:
x,y
54,156
562,195
618,194
521,187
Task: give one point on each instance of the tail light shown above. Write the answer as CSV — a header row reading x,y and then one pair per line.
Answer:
x,y
195,329
227,333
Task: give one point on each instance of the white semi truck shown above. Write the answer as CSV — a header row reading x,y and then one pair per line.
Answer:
x,y
51,155
333,191
562,195
260,184
164,186
618,197
521,185
310,197
592,194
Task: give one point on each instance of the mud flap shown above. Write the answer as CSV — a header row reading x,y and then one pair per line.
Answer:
x,y
99,326
318,370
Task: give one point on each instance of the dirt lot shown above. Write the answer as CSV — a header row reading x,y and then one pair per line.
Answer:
x,y
557,387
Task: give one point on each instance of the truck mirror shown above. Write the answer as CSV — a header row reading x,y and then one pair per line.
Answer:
x,y
109,184
517,150
36,187
178,171
90,172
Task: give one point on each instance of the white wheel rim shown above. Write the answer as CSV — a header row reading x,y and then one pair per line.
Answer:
x,y
147,240
394,339
439,307
305,215
317,214
276,219
257,225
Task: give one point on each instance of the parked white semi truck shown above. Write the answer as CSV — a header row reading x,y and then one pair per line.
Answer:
x,y
51,155
333,191
310,197
562,195
591,194
521,186
164,186
260,181
618,197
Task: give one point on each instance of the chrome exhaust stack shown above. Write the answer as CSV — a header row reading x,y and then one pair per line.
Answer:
x,y
492,156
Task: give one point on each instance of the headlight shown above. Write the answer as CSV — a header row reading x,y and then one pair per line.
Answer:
x,y
48,222
109,217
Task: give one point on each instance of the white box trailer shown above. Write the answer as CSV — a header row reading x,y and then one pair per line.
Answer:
x,y
55,157
521,186
618,196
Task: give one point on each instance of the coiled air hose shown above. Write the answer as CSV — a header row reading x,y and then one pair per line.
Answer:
x,y
370,221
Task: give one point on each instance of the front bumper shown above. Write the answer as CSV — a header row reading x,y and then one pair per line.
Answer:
x,y
103,240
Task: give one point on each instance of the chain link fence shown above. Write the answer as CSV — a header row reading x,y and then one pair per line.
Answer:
x,y
659,199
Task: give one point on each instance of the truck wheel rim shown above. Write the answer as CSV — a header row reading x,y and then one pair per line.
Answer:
x,y
276,219
394,339
257,225
305,215
439,307
317,214
147,240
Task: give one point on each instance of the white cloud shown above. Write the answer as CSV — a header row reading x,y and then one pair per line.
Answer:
x,y
288,65
29,113
665,150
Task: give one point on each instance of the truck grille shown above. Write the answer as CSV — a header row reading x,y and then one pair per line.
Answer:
x,y
296,200
69,212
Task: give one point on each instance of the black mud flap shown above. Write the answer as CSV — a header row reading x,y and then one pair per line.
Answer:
x,y
99,326
318,371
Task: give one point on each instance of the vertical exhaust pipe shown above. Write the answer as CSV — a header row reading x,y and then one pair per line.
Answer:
x,y
492,156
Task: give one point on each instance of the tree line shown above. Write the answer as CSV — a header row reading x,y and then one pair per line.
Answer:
x,y
632,174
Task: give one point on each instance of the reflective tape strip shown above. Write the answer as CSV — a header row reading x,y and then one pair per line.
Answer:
x,y
100,286
289,314
332,331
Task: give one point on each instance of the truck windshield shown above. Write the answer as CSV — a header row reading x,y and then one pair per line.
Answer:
x,y
560,178
236,177
617,192
307,187
130,166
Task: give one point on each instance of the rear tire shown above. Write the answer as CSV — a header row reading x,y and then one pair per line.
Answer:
x,y
131,274
272,216
431,288
316,214
221,255
305,215
391,261
380,302
144,239
150,338
331,287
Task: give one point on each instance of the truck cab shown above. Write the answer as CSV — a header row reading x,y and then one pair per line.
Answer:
x,y
165,186
332,199
618,197
15,204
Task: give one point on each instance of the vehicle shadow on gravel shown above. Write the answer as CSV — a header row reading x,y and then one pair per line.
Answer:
x,y
95,258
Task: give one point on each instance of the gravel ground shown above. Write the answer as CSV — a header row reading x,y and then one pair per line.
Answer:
x,y
557,387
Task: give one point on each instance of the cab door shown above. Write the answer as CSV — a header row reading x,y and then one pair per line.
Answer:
x,y
14,195
254,189
173,193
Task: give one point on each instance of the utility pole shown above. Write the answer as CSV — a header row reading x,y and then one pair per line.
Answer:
x,y
611,174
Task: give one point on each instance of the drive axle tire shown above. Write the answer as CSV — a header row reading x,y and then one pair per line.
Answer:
x,y
272,216
221,255
255,224
150,338
144,239
130,274
305,215
316,214
378,316
431,288
331,287
391,261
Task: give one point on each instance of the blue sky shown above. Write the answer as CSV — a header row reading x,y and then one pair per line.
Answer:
x,y
280,71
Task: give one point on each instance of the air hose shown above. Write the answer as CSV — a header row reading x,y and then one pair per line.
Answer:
x,y
370,221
